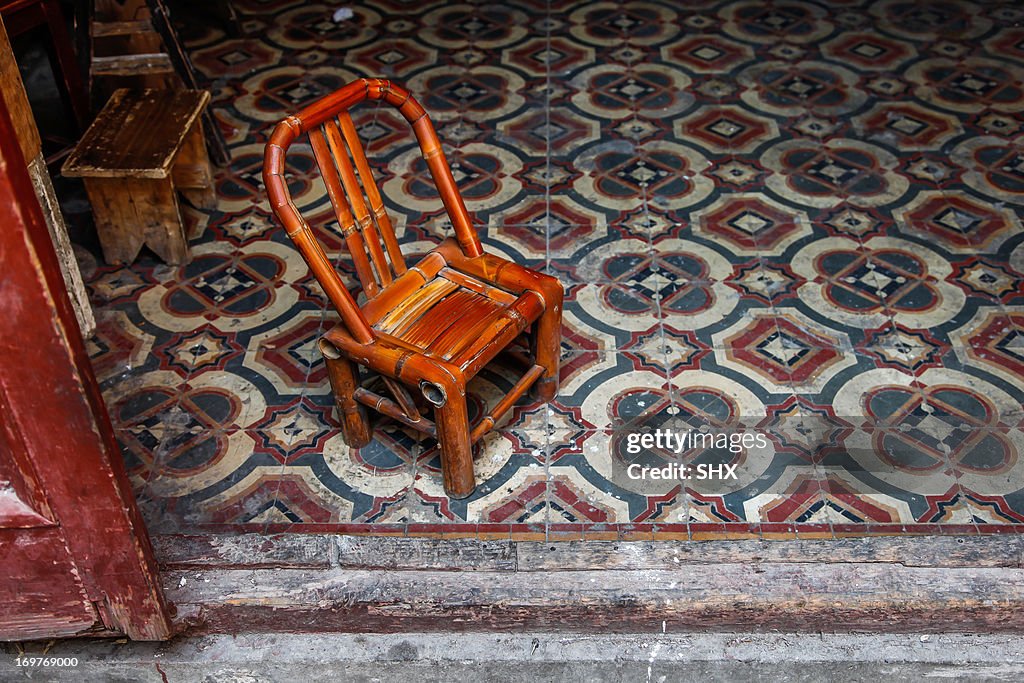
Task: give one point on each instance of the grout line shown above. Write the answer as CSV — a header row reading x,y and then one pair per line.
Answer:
x,y
161,461
302,399
548,486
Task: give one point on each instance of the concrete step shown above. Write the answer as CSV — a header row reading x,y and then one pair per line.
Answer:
x,y
516,658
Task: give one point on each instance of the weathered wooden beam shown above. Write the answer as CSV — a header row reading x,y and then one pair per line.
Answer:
x,y
371,552
861,596
321,551
916,551
132,65
69,268
243,550
355,552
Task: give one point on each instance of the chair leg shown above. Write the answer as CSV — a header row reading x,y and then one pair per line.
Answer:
x,y
344,377
547,343
452,420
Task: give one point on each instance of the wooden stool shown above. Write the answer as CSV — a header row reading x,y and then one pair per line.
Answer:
x,y
140,150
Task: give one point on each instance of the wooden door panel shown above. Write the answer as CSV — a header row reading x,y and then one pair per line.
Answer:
x,y
39,597
74,554
22,503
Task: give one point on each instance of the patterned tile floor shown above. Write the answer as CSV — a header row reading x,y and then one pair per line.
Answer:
x,y
797,219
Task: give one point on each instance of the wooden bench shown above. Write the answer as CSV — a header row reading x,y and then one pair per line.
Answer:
x,y
142,149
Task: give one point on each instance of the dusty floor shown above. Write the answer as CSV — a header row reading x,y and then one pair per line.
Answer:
x,y
798,219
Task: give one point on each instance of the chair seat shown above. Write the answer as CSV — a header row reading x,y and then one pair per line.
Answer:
x,y
456,317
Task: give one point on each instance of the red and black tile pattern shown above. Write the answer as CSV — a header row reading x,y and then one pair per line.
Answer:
x,y
801,219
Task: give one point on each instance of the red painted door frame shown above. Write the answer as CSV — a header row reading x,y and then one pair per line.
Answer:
x,y
74,553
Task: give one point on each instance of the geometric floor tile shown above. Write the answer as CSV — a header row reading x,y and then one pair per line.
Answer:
x,y
794,223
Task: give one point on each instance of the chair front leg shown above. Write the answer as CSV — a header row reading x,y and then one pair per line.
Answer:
x,y
547,346
344,377
452,420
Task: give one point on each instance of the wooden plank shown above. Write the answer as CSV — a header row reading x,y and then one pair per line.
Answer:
x,y
546,657
922,551
102,47
62,245
13,91
103,29
146,64
243,550
798,597
368,552
312,551
137,135
365,552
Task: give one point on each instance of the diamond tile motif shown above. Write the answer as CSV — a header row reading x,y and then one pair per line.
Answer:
x,y
958,221
782,352
707,53
751,223
726,128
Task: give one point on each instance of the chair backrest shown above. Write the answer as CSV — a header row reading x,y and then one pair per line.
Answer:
x,y
364,222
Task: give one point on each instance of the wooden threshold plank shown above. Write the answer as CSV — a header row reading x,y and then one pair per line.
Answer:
x,y
862,596
243,550
463,554
919,551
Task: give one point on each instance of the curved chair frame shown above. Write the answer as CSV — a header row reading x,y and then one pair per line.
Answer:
x,y
430,327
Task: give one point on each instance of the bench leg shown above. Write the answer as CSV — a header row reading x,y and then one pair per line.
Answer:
x,y
452,421
130,212
344,378
191,171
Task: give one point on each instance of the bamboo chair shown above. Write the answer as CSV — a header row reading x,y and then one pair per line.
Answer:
x,y
424,329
